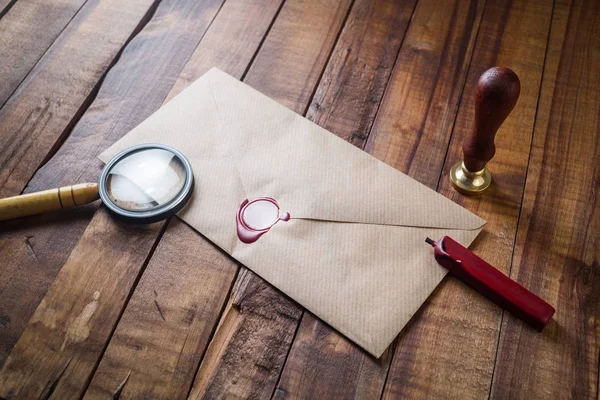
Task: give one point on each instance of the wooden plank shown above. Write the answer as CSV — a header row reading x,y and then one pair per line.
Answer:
x,y
557,252
40,113
322,363
448,351
291,60
232,40
193,275
353,84
26,32
157,346
102,100
35,120
246,355
59,349
415,122
34,249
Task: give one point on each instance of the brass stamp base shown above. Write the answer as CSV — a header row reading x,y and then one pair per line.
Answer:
x,y
469,183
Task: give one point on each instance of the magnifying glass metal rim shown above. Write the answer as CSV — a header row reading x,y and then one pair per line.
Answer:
x,y
156,214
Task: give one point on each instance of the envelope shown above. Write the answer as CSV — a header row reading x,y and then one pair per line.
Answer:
x,y
353,250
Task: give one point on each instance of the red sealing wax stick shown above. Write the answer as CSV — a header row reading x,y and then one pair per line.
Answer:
x,y
492,283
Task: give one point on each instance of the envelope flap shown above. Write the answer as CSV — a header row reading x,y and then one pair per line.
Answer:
x,y
190,123
352,187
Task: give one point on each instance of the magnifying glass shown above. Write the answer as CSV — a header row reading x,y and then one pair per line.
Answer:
x,y
144,183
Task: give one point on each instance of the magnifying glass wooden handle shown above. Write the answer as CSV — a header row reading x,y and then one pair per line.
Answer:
x,y
48,200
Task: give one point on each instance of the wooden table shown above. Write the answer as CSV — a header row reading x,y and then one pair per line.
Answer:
x,y
96,308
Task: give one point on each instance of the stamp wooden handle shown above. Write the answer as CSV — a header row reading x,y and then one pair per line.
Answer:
x,y
48,200
496,94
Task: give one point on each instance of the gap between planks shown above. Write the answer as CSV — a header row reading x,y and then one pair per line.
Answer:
x,y
523,191
308,104
94,92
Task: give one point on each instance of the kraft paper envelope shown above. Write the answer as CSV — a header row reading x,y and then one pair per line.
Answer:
x,y
353,252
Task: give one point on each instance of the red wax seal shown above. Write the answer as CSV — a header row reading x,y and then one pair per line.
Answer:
x,y
255,218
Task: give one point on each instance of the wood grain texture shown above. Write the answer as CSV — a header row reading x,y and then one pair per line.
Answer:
x,y
449,350
319,351
557,249
248,350
287,69
38,116
166,326
241,300
415,121
231,42
59,350
291,59
321,362
34,249
27,30
112,85
352,86
197,286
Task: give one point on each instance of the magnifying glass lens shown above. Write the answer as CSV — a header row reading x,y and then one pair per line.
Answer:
x,y
146,183
145,180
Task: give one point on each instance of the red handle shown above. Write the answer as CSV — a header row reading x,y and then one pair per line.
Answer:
x,y
492,283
